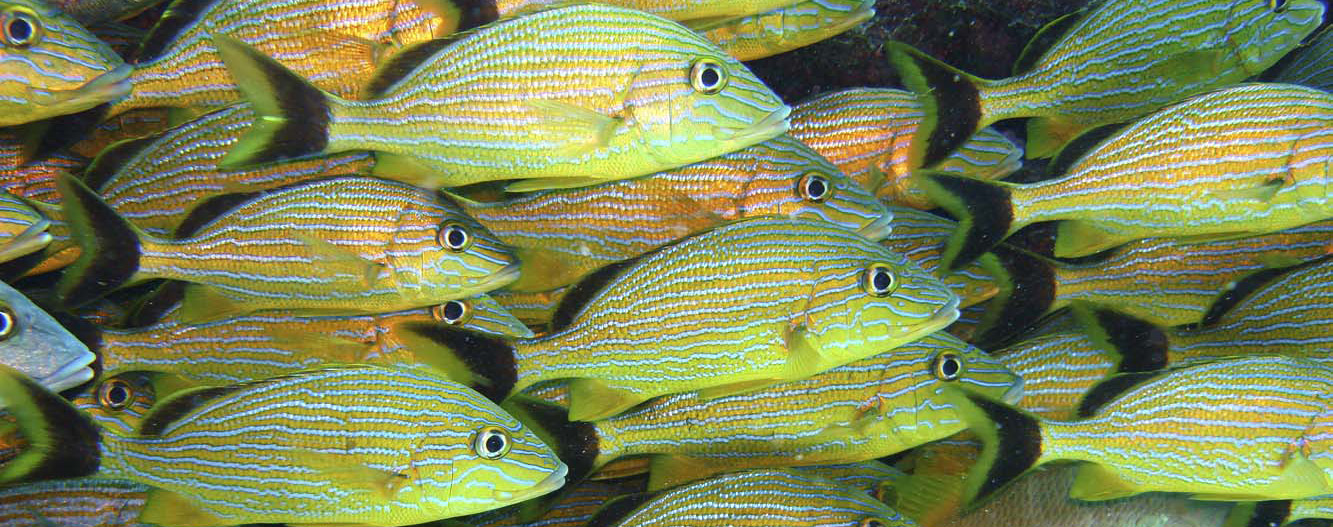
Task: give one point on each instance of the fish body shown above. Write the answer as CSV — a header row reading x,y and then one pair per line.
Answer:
x,y
562,235
411,447
868,133
784,29
1121,60
1240,429
1312,65
761,308
349,245
34,343
1274,176
259,346
52,65
625,94
1057,370
870,408
82,502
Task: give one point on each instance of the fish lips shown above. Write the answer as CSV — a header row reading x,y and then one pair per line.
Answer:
x,y
942,317
106,87
772,125
551,483
72,374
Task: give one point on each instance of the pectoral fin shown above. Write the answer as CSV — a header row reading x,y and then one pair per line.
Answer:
x,y
586,129
1095,482
1262,192
163,507
803,358
1076,238
592,399
341,260
669,471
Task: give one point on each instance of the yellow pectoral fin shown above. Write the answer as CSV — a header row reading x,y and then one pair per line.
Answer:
x,y
586,129
1096,482
202,303
1076,238
1046,135
1262,192
734,388
163,507
803,357
592,399
669,471
413,171
341,260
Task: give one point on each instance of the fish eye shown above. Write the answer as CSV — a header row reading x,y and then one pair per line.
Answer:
x,y
879,280
1277,6
9,323
813,187
947,367
708,76
115,394
871,522
491,443
21,28
453,312
454,236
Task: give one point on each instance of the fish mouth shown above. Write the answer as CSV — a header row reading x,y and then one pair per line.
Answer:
x,y
30,240
502,277
551,483
877,230
770,126
106,87
1015,392
72,374
942,317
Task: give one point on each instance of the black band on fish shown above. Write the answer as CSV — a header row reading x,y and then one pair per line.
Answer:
x,y
575,442
1027,292
1017,448
1140,345
486,363
950,99
63,442
984,212
1273,513
178,406
180,15
109,244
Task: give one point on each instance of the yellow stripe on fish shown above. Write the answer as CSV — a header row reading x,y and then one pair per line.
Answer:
x,y
784,29
867,132
745,305
1121,60
1241,161
570,96
562,235
349,245
425,449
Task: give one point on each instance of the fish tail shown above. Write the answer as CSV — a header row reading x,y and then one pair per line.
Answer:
x,y
950,98
984,209
1273,513
486,363
110,247
1140,345
1011,442
62,442
291,116
1027,292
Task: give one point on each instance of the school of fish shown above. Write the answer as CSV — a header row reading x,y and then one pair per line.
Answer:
x,y
466,263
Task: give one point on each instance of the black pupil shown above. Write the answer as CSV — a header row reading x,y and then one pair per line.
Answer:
x,y
118,395
495,444
882,280
456,237
20,30
453,310
815,188
709,77
950,367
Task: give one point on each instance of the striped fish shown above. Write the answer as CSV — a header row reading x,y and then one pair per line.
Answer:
x,y
1237,429
592,93
81,502
867,132
1164,176
870,408
688,12
572,508
353,444
1163,281
155,181
33,342
1115,63
743,305
349,245
255,347
34,179
1057,369
766,497
784,29
562,235
50,65
920,236
535,310
120,402
1312,64
22,227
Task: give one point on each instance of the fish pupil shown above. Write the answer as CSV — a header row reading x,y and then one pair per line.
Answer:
x,y
710,77
882,280
816,188
118,395
453,311
19,30
6,323
949,367
495,444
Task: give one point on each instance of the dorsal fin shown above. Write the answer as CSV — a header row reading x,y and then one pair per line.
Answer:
x,y
179,405
1077,147
1107,390
404,62
1044,39
113,158
617,509
179,15
582,292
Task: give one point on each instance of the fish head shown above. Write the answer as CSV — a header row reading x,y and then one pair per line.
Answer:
x,y
498,463
53,66
1262,31
465,255
32,342
480,313
787,178
118,402
697,102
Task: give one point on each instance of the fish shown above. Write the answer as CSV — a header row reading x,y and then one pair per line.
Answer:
x,y
156,180
868,133
920,236
1310,65
1059,368
252,347
98,12
215,456
22,227
573,508
774,312
664,97
33,342
691,13
535,310
874,477
120,401
562,235
786,28
1163,281
132,124
1237,429
334,246
1114,63
870,408
33,179
52,65
770,497
1279,157
79,502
